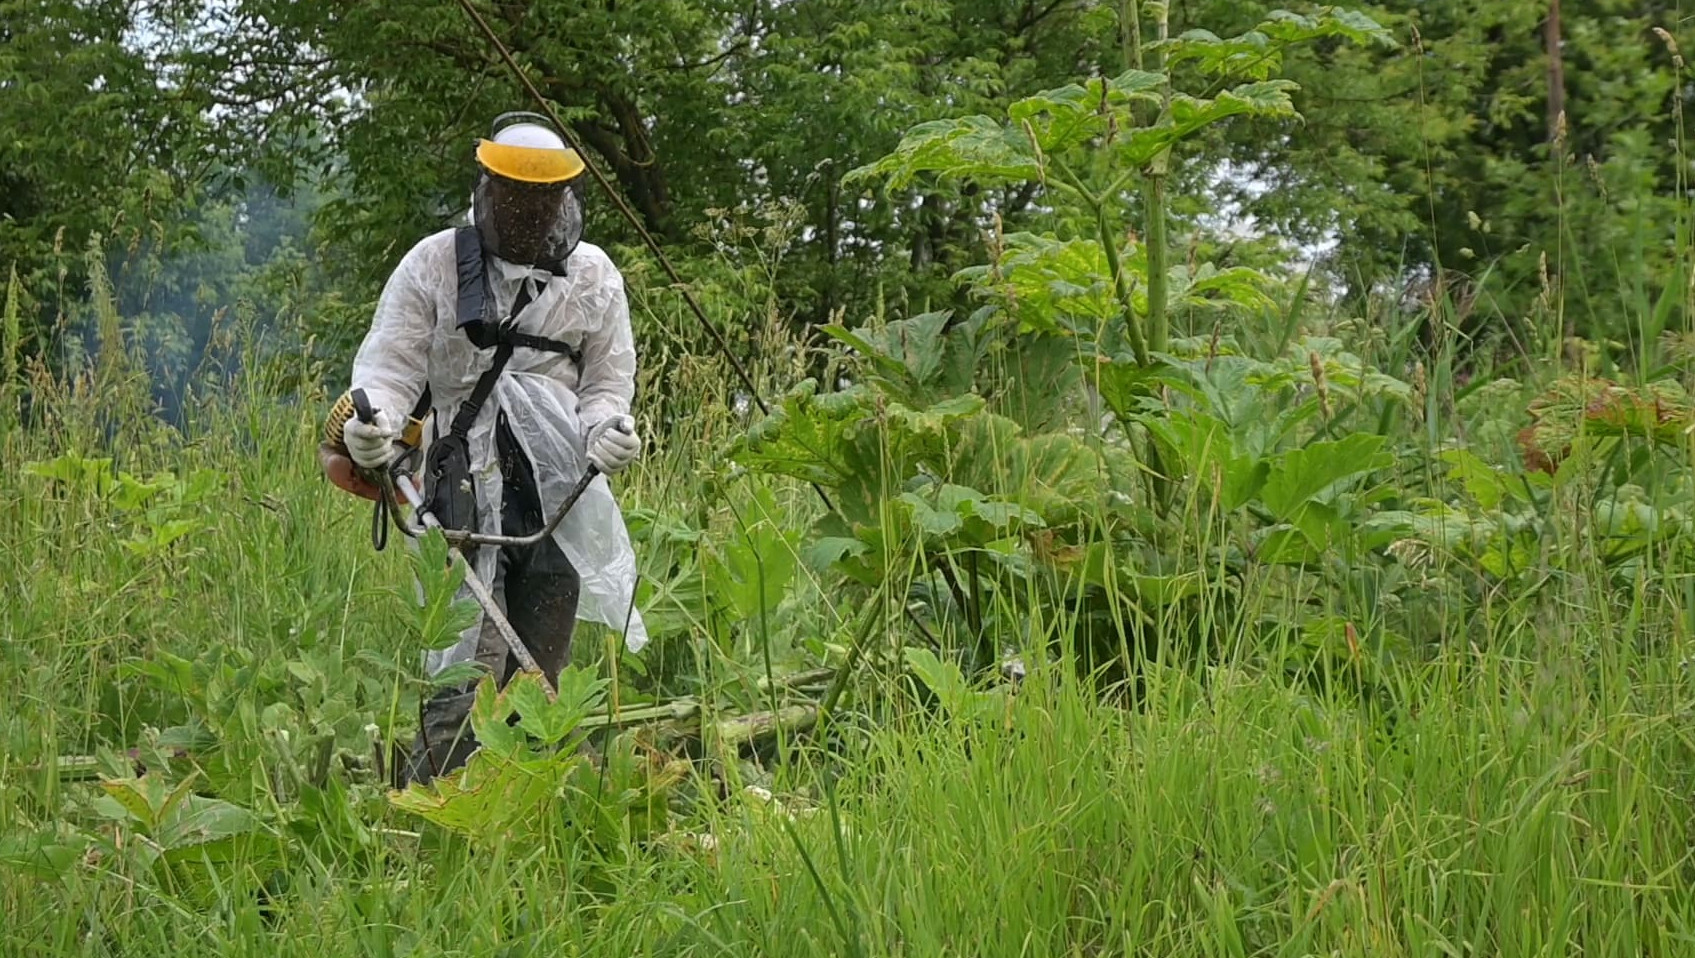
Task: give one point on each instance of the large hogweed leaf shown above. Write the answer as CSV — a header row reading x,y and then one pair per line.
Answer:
x,y
1302,476
1065,285
1055,476
1301,484
148,800
1576,408
905,353
1206,450
856,441
751,570
511,782
494,799
971,147
550,721
953,692
1257,54
442,612
809,435
172,815
955,516
1074,114
1187,115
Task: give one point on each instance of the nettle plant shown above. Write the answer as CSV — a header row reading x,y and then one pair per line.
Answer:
x,y
968,456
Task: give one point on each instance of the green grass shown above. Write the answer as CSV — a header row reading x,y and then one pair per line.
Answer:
x,y
1523,790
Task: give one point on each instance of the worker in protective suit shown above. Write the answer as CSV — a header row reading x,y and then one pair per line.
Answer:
x,y
511,338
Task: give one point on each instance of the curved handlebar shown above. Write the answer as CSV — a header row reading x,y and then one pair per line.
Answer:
x,y
462,537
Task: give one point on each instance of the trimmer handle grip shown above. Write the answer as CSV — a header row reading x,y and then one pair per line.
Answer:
x,y
362,407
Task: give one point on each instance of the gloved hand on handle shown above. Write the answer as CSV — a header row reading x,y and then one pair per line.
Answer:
x,y
371,444
613,444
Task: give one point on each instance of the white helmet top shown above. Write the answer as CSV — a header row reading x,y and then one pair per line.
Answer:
x,y
532,135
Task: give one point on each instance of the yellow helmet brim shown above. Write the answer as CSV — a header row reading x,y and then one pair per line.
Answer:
x,y
528,164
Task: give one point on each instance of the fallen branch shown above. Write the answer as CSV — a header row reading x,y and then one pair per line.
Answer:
x,y
747,729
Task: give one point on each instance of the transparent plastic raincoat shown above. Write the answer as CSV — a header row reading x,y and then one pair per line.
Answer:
x,y
550,404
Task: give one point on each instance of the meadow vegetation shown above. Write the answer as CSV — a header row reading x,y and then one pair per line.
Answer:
x,y
1122,597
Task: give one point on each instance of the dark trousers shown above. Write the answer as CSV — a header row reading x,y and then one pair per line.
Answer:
x,y
538,590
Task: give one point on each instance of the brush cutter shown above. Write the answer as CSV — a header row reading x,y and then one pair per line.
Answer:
x,y
397,479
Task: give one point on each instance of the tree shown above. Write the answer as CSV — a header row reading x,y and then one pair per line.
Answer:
x,y
1437,160
689,105
95,135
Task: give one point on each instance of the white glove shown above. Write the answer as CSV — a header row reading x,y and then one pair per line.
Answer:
x,y
613,444
371,444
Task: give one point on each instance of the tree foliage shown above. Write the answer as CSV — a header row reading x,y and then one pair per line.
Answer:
x,y
1434,158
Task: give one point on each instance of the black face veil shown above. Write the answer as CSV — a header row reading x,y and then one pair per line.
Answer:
x,y
526,205
534,224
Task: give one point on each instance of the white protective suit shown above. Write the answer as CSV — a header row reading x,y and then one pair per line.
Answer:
x,y
550,404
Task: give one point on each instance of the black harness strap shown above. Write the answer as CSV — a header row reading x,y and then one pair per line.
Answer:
x,y
485,336
473,404
473,276
472,307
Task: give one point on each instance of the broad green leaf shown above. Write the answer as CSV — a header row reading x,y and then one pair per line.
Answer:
x,y
443,615
932,522
156,540
1251,54
1040,276
1055,475
1236,287
1206,451
1187,115
886,366
908,351
84,476
458,675
489,712
1125,384
1072,115
1321,524
1327,21
148,799
949,514
552,722
1299,476
130,493
198,820
808,435
1258,53
1285,545
1105,566
973,147
826,551
942,678
948,684
493,800
750,571
934,419
1482,481
44,855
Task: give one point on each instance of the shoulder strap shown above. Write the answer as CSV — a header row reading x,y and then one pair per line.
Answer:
x,y
471,307
475,300
473,404
473,277
473,295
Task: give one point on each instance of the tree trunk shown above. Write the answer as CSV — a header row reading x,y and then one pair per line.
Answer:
x,y
832,226
1556,70
924,234
642,181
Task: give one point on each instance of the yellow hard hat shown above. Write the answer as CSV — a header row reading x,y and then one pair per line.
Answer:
x,y
529,152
